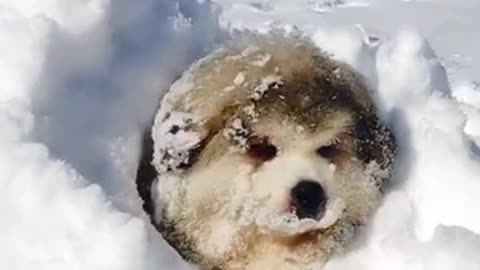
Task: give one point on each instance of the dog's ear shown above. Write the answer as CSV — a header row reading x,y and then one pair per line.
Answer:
x,y
146,172
147,175
375,142
179,138
169,149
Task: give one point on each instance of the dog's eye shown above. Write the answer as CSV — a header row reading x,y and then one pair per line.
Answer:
x,y
261,149
329,152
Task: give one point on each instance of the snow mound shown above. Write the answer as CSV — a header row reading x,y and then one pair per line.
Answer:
x,y
78,83
80,80
427,220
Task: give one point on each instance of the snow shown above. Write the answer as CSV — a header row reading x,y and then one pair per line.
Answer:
x,y
171,151
289,224
270,81
80,79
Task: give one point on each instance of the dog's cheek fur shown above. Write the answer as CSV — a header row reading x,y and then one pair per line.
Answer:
x,y
374,142
178,240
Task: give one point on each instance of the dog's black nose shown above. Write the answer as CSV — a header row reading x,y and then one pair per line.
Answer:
x,y
308,198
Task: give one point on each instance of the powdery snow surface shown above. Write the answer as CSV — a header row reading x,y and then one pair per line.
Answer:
x,y
79,79
78,82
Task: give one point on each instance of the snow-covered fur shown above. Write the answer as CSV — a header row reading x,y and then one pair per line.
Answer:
x,y
239,131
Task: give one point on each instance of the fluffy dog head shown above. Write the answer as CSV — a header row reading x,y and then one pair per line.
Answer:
x,y
267,155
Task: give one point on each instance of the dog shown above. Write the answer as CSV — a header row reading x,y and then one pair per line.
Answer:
x,y
265,154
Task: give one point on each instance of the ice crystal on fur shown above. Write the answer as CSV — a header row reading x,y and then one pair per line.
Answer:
x,y
178,140
270,81
250,112
237,133
249,50
262,60
239,79
288,224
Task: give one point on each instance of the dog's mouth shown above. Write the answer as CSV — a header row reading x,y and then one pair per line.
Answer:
x,y
288,223
284,224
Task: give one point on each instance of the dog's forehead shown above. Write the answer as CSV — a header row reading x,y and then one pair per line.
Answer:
x,y
310,101
293,127
294,130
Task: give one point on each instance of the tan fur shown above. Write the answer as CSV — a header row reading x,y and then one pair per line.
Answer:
x,y
210,210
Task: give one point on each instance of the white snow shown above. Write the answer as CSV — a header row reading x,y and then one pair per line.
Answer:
x,y
78,82
80,79
239,79
270,81
173,141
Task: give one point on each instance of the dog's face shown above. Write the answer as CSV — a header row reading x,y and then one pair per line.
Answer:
x,y
271,181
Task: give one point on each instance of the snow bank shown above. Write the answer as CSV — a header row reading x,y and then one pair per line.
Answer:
x,y
78,82
428,220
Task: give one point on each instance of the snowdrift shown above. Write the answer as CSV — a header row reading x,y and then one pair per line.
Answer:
x,y
80,80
